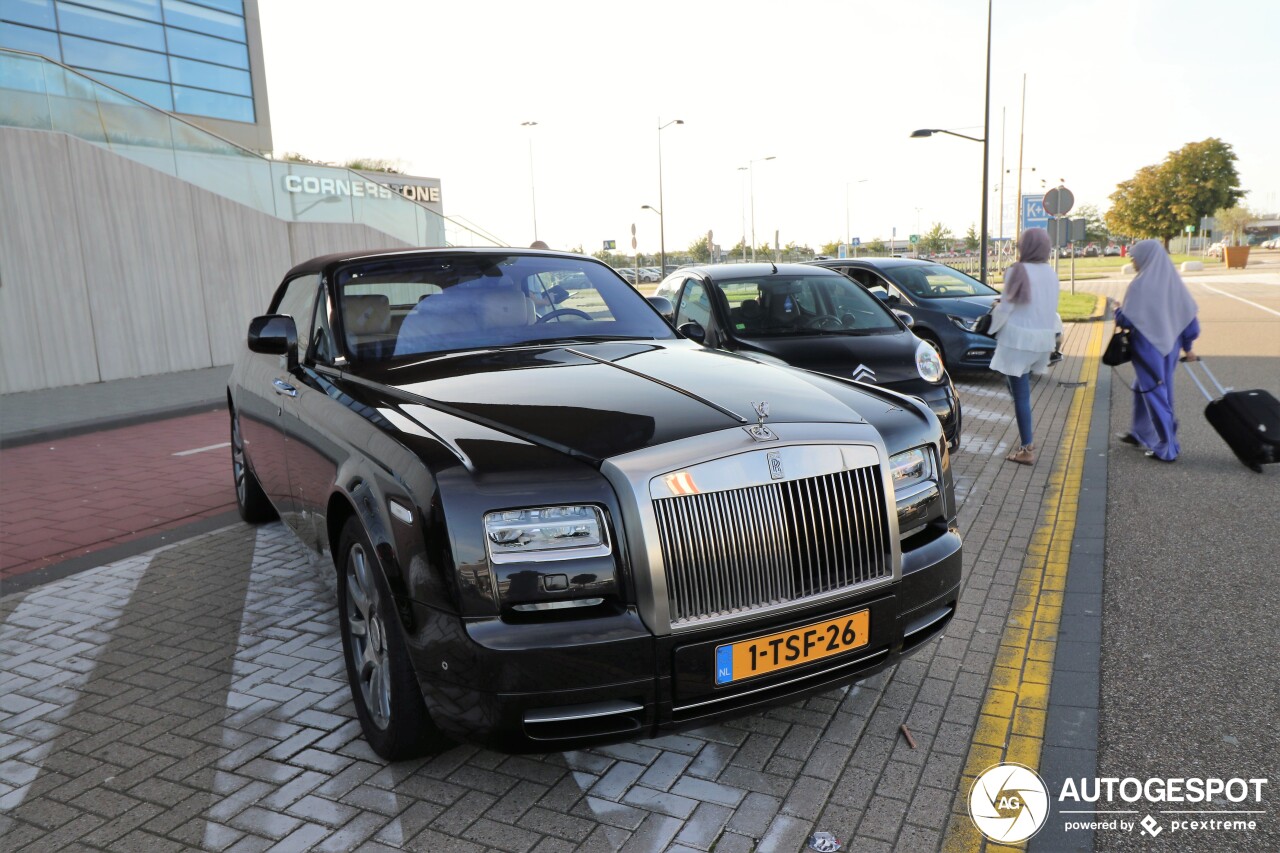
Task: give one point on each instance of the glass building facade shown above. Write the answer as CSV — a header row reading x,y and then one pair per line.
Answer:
x,y
184,56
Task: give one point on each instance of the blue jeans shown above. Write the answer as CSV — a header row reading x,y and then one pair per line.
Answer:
x,y
1020,388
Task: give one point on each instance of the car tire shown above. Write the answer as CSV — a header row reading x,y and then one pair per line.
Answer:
x,y
389,704
251,500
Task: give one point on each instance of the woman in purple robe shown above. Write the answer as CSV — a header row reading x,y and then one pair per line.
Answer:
x,y
1161,317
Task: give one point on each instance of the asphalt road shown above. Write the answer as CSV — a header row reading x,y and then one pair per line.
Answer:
x,y
1190,655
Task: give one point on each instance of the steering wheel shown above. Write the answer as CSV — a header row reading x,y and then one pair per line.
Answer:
x,y
824,321
560,312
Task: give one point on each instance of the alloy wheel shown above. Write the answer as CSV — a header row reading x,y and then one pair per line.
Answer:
x,y
368,637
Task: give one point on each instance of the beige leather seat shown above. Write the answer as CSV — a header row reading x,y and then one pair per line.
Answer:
x,y
367,318
505,306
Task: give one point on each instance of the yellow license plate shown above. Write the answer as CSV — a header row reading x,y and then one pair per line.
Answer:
x,y
761,655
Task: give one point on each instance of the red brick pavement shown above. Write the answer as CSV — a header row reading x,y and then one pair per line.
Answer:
x,y
73,496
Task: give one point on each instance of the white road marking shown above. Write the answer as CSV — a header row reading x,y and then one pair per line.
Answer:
x,y
203,449
1240,299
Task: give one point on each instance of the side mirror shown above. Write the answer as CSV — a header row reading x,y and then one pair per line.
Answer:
x,y
275,334
694,332
906,318
663,306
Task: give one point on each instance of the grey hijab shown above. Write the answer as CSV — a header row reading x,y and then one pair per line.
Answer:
x,y
1157,302
1033,248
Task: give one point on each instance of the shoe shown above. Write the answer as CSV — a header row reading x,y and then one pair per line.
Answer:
x,y
1151,454
1025,455
1128,438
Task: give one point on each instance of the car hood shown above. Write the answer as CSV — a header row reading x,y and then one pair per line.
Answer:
x,y
598,400
961,306
890,358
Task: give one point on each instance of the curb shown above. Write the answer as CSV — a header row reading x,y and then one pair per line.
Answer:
x,y
42,434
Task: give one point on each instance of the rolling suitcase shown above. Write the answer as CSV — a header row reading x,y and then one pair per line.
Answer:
x,y
1248,421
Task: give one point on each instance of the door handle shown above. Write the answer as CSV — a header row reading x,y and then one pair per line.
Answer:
x,y
283,387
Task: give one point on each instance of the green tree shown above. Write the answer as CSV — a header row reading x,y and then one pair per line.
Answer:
x,y
1160,201
832,249
938,239
971,239
699,250
876,246
1231,222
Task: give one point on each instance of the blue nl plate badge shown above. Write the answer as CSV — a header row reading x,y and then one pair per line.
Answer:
x,y
724,664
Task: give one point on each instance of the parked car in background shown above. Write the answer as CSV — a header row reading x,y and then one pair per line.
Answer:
x,y
1091,251
944,303
628,273
1111,251
553,521
1273,243
810,317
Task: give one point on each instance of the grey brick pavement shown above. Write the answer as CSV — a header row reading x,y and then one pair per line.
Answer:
x,y
195,698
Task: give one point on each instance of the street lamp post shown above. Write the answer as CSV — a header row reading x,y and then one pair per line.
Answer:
x,y
751,171
663,261
744,217
662,234
533,193
986,135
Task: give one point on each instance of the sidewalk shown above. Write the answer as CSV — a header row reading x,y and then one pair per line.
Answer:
x,y
31,416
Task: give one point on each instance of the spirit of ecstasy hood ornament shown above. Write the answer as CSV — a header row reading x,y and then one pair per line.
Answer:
x,y
760,432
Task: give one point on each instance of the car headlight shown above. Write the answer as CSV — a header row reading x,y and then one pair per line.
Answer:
x,y
928,363
915,488
909,468
968,324
546,533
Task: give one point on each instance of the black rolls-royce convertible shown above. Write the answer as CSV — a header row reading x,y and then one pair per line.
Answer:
x,y
556,521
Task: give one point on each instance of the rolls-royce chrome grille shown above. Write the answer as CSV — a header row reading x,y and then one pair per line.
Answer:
x,y
743,549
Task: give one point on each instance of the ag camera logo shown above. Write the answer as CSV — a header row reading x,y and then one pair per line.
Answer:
x,y
1009,803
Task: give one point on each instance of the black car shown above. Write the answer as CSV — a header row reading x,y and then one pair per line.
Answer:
x,y
809,317
944,302
554,521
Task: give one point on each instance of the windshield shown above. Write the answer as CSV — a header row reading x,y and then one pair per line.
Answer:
x,y
442,303
936,281
795,305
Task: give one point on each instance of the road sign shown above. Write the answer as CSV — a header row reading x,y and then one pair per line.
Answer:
x,y
610,245
1058,201
1190,229
1033,215
842,251
633,236
857,241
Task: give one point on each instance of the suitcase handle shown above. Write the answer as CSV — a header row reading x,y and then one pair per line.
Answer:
x,y
1187,364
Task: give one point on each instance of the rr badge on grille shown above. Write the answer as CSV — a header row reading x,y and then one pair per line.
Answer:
x,y
775,465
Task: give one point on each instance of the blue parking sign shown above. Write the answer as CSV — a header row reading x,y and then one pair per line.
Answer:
x,y
1033,215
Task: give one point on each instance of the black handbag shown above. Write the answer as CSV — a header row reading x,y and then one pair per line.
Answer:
x,y
1118,350
983,324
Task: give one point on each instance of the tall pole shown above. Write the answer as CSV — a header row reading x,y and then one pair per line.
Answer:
x,y
533,192
751,172
744,216
1002,110
1022,132
986,144
662,205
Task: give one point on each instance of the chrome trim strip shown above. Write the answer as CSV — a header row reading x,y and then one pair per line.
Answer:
x,y
582,712
740,694
913,629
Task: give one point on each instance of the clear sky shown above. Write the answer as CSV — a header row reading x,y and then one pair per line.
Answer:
x,y
832,90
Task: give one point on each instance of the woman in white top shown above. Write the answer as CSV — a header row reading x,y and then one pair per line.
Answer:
x,y
1026,323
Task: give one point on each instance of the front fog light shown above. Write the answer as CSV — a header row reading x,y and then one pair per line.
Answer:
x,y
928,363
549,532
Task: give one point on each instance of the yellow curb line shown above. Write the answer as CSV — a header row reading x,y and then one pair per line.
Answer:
x,y
1011,724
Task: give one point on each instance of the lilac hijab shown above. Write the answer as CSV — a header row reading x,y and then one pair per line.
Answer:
x,y
1033,248
1157,302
